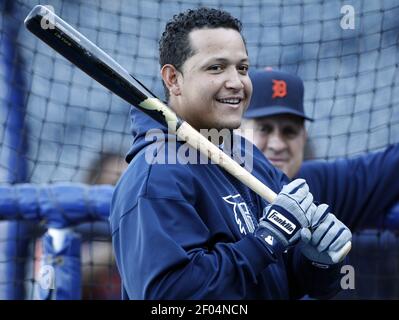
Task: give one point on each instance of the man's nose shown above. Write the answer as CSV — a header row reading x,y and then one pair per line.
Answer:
x,y
276,143
234,80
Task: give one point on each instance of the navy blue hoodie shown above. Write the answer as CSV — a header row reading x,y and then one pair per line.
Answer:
x,y
183,231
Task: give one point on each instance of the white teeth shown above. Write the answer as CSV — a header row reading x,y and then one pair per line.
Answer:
x,y
230,101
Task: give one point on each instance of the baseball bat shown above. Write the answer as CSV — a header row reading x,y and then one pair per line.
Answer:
x,y
76,48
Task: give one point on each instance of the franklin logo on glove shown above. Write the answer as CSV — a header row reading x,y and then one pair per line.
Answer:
x,y
281,221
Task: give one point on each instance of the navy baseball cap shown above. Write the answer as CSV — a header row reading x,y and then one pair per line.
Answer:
x,y
275,92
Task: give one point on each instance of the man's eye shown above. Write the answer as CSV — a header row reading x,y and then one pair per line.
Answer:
x,y
216,67
290,132
264,129
243,69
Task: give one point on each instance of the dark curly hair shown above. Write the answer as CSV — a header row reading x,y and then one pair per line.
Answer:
x,y
174,45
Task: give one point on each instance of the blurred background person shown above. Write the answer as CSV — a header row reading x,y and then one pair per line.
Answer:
x,y
100,276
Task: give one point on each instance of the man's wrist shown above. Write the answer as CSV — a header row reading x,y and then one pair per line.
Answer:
x,y
273,245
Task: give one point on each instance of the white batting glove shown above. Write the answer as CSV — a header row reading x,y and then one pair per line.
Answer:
x,y
329,242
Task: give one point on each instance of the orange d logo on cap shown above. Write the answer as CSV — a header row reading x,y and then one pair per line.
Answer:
x,y
279,89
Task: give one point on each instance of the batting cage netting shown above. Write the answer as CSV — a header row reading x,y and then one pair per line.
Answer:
x,y
63,136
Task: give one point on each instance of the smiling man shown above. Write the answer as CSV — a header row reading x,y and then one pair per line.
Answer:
x,y
218,70
191,231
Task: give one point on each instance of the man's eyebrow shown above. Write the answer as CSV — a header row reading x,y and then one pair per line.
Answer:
x,y
223,60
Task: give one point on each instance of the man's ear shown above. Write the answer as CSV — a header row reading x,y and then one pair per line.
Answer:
x,y
170,77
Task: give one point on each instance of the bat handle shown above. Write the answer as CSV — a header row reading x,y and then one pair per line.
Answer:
x,y
341,254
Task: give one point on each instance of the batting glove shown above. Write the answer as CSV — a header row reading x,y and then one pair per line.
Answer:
x,y
282,221
328,243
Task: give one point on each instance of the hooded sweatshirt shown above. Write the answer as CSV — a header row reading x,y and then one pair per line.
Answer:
x,y
184,230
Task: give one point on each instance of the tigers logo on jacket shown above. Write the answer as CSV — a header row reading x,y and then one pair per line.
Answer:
x,y
242,215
